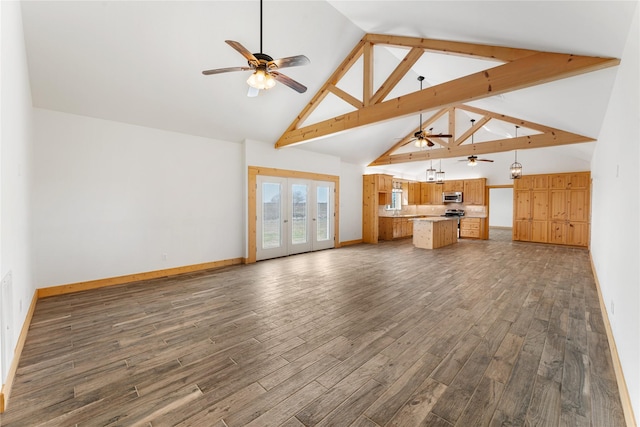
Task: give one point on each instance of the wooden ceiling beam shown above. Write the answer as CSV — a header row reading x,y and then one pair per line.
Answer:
x,y
400,71
520,143
527,71
499,53
345,96
367,74
333,80
473,129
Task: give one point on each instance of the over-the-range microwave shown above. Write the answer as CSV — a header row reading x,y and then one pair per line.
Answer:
x,y
452,197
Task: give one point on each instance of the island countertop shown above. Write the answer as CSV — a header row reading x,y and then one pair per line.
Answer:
x,y
435,218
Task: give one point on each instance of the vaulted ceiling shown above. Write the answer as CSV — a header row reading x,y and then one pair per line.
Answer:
x,y
141,63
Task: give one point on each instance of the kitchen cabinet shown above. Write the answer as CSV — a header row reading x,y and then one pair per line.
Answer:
x,y
552,208
385,183
472,228
430,193
413,190
394,227
453,185
473,193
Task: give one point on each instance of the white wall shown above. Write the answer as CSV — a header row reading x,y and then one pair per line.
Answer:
x,y
501,207
112,199
615,239
15,176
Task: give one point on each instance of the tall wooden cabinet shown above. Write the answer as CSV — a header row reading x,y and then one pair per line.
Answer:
x,y
376,191
552,208
569,199
531,209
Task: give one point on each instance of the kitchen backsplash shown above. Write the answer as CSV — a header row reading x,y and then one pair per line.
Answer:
x,y
435,210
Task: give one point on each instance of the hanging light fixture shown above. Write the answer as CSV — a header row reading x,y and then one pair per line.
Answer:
x,y
516,168
431,173
440,175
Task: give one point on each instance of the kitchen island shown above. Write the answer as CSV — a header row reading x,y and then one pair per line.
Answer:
x,y
434,232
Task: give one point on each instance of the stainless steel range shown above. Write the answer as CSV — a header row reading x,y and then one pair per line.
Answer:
x,y
455,213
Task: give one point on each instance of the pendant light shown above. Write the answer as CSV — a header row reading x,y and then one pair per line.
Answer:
x,y
440,175
516,168
431,173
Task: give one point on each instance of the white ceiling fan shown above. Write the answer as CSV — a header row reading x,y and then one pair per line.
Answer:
x,y
264,67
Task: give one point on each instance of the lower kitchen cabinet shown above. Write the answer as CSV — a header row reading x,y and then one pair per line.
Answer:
x,y
390,228
472,228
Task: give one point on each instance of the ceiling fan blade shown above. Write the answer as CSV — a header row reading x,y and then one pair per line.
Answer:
x,y
226,70
253,92
440,135
291,61
243,50
484,160
288,81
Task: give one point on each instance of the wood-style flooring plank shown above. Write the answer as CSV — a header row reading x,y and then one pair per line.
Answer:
x,y
479,333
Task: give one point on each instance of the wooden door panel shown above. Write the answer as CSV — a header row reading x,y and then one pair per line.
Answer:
x,y
557,232
540,205
578,205
522,205
578,234
558,204
539,231
522,230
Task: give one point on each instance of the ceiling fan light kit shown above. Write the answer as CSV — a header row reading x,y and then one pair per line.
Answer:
x,y
261,79
473,160
264,67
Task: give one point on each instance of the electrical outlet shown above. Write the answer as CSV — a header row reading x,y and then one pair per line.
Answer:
x,y
164,257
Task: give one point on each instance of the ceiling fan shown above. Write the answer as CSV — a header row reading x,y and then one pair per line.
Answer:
x,y
421,138
473,160
264,67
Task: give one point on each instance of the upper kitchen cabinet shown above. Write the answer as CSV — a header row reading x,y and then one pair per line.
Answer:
x,y
385,183
473,193
453,185
413,190
430,193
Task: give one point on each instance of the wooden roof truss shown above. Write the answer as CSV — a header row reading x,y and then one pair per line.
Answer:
x,y
517,69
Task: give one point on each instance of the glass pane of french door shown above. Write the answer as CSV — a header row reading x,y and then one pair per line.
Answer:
x,y
300,212
323,215
299,216
271,227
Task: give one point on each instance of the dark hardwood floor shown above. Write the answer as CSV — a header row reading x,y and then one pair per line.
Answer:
x,y
493,332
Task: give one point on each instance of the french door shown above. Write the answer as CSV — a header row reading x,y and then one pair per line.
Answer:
x,y
293,216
